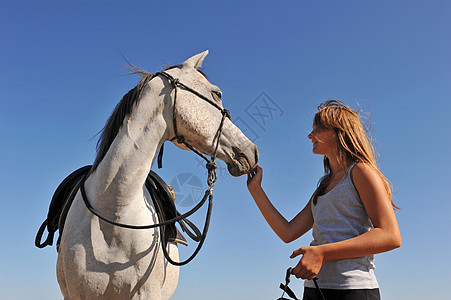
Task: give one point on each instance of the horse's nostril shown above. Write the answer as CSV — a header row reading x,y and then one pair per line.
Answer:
x,y
236,152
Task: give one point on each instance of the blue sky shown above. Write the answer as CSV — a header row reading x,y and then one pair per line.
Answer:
x,y
61,76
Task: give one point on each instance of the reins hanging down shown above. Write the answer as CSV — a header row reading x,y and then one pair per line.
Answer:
x,y
289,291
285,287
211,179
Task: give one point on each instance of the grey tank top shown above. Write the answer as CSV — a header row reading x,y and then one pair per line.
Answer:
x,y
340,215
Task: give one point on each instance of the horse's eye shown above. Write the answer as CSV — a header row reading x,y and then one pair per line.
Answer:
x,y
218,94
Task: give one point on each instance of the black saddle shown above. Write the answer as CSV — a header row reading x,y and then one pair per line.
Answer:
x,y
65,193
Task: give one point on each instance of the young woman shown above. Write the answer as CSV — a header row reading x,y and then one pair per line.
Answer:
x,y
351,211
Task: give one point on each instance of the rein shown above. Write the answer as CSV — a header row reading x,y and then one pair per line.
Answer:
x,y
290,292
211,180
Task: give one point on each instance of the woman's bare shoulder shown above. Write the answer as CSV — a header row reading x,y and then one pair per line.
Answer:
x,y
364,173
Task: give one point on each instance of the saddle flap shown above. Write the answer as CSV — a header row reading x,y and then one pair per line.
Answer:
x,y
61,200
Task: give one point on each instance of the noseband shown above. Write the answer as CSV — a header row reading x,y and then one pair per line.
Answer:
x,y
211,179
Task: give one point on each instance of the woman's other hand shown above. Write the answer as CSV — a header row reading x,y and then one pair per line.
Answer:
x,y
310,264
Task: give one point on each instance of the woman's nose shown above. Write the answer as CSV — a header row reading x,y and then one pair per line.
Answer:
x,y
310,136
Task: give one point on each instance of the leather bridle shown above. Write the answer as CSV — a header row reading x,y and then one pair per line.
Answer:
x,y
211,164
211,179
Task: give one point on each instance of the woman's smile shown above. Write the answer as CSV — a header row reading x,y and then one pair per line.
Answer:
x,y
323,140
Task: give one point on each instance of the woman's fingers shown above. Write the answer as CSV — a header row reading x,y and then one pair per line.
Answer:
x,y
255,176
310,264
297,252
303,272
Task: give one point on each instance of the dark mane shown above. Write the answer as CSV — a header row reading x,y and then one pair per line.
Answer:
x,y
121,111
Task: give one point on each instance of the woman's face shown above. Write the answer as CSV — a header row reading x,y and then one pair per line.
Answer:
x,y
324,141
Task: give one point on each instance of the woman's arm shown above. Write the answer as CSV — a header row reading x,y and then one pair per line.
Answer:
x,y
287,231
384,237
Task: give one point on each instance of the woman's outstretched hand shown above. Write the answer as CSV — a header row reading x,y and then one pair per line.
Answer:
x,y
254,178
310,264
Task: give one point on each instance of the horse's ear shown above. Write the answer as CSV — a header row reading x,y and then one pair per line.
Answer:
x,y
195,61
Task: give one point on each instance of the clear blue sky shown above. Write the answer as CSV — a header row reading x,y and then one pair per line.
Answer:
x,y
61,76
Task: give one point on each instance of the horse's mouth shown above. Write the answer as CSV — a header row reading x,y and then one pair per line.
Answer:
x,y
241,164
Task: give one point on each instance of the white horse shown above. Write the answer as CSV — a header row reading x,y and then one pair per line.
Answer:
x,y
98,260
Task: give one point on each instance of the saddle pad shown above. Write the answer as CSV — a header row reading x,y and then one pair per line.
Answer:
x,y
65,193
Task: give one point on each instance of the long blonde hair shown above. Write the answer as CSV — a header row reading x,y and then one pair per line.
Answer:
x,y
353,142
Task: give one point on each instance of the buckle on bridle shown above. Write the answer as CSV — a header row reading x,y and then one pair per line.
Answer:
x,y
175,82
226,113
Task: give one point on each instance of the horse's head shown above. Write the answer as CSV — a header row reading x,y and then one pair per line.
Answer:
x,y
198,117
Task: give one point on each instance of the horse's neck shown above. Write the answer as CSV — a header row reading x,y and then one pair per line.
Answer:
x,y
119,178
